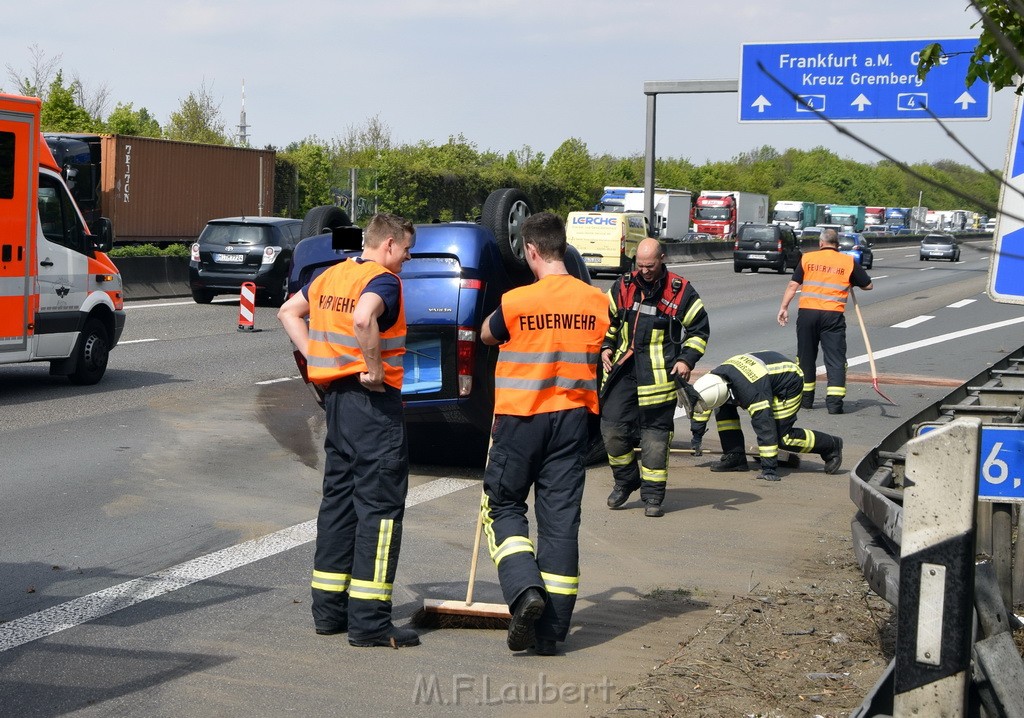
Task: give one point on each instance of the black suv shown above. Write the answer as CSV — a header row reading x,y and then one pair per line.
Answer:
x,y
235,250
773,246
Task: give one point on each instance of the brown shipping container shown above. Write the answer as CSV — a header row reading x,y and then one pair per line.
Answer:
x,y
164,191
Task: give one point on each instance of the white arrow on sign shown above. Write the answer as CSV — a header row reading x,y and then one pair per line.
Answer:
x,y
860,102
760,103
964,100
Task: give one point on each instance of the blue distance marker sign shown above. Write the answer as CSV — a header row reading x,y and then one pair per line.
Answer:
x,y
1001,464
859,80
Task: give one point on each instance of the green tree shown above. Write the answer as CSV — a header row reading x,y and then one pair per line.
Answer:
x,y
60,113
997,57
311,161
126,120
570,169
198,119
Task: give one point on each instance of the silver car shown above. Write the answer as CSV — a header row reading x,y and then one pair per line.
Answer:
x,y
940,246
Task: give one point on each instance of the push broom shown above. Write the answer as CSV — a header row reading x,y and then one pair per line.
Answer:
x,y
438,613
867,345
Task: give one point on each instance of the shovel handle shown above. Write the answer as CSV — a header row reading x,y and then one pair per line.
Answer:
x,y
864,333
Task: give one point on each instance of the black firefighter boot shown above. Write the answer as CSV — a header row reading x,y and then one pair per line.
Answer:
x,y
732,461
833,457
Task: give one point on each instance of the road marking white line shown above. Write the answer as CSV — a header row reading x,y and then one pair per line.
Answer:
x,y
925,269
277,381
880,276
137,341
101,603
912,322
961,303
902,348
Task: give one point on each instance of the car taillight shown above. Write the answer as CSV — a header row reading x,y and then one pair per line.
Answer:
x,y
780,246
465,345
471,284
195,252
270,254
736,245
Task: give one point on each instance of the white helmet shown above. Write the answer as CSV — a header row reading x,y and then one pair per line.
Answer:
x,y
713,391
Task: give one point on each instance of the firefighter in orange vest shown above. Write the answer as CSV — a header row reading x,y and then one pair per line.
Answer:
x,y
659,331
545,385
826,277
353,346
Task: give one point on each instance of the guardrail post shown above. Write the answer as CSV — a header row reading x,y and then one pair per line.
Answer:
x,y
933,639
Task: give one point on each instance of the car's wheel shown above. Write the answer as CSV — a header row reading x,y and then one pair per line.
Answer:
x,y
957,257
322,219
202,296
781,269
755,270
92,353
737,268
870,264
503,213
277,294
923,258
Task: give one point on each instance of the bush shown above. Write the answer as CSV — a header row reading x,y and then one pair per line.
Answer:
x,y
151,250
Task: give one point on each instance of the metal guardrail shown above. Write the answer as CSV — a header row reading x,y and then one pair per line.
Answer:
x,y
995,395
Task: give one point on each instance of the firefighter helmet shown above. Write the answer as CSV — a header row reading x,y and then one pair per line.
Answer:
x,y
713,390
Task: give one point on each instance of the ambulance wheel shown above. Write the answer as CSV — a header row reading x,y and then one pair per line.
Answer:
x,y
321,220
503,213
92,353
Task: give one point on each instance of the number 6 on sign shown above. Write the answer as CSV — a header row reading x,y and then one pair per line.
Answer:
x,y
995,470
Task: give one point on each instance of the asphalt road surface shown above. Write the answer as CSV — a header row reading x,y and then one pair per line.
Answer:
x,y
157,527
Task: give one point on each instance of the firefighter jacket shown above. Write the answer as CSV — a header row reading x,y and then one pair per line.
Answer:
x,y
655,325
333,350
769,386
550,361
827,275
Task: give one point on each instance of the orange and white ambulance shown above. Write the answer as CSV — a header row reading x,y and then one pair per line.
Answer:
x,y
61,299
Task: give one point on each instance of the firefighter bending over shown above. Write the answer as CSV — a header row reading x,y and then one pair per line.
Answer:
x,y
769,386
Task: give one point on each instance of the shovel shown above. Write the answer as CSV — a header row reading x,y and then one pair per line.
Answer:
x,y
867,344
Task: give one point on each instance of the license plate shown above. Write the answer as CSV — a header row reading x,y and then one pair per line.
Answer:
x,y
756,256
591,260
938,254
229,258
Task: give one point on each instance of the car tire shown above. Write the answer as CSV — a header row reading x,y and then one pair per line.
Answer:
x,y
322,219
503,213
278,294
737,268
202,296
755,269
781,269
923,258
92,353
956,258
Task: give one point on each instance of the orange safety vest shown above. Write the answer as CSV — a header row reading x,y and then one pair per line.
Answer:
x,y
826,283
333,351
550,362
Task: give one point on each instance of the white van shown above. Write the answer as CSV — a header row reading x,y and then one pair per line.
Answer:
x,y
607,241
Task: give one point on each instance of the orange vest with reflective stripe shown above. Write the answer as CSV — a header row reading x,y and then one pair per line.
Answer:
x,y
826,285
550,363
333,350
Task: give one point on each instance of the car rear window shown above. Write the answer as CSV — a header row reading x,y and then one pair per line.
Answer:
x,y
752,233
252,234
431,265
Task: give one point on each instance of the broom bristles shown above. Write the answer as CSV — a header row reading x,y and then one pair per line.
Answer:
x,y
459,614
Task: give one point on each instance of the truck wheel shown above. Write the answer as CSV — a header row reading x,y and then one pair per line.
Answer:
x,y
92,351
202,296
322,219
503,213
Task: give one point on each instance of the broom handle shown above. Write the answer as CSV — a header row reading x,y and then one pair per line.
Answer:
x,y
864,333
476,552
479,522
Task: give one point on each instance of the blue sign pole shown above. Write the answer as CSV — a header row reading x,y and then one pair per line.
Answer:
x,y
867,80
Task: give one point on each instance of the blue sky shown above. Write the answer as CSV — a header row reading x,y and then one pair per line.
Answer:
x,y
504,74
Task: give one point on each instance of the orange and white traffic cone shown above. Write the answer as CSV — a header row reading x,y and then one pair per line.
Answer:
x,y
247,308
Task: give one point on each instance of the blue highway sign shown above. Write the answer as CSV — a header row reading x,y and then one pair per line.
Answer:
x,y
1006,272
861,80
1001,464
